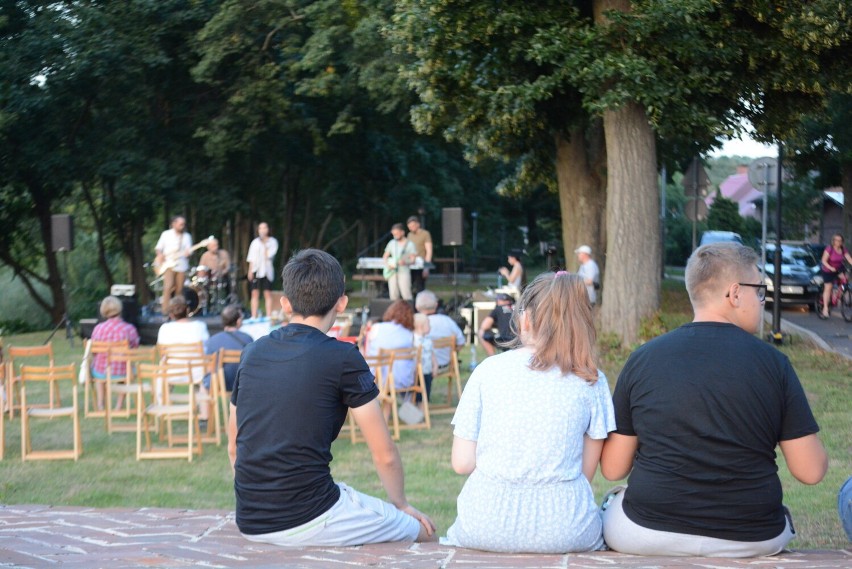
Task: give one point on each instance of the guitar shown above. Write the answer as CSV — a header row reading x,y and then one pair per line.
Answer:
x,y
172,259
393,262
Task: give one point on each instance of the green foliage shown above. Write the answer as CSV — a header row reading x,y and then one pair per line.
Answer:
x,y
724,215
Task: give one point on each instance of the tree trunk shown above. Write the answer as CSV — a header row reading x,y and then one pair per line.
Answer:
x,y
846,181
101,231
136,257
582,197
631,289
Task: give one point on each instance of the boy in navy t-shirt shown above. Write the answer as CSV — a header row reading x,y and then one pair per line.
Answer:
x,y
290,399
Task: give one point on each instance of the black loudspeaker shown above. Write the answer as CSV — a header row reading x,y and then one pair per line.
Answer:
x,y
130,309
62,232
452,224
378,306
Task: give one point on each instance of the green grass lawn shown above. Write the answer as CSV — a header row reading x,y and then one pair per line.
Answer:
x,y
107,475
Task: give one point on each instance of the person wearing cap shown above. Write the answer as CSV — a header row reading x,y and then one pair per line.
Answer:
x,y
516,277
589,271
501,318
422,240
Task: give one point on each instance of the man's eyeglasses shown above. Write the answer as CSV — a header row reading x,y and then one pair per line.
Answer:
x,y
761,290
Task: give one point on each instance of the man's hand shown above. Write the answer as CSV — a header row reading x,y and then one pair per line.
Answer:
x,y
425,521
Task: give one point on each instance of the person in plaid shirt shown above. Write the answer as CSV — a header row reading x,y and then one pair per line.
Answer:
x,y
113,329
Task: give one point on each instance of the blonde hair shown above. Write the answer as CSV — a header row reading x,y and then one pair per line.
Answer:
x,y
562,331
712,268
111,306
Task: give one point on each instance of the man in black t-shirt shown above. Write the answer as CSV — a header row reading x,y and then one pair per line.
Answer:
x,y
291,395
699,412
501,318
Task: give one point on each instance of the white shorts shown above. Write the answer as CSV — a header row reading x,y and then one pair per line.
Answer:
x,y
624,535
355,519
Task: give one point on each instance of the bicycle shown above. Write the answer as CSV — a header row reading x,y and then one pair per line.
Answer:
x,y
841,293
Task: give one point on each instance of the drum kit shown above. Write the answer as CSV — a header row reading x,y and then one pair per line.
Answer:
x,y
205,293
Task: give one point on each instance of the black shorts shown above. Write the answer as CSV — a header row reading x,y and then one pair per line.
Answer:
x,y
261,283
829,278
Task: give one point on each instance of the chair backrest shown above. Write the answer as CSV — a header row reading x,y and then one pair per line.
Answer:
x,y
30,352
132,357
48,373
380,366
104,346
403,362
167,351
161,376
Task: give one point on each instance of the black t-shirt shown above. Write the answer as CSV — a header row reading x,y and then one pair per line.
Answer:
x,y
709,402
502,316
292,391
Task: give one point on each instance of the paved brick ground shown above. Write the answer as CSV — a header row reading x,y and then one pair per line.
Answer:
x,y
42,536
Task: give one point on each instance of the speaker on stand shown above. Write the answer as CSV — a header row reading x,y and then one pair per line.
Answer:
x,y
452,233
62,240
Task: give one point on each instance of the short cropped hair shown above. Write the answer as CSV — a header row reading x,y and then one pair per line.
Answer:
x,y
400,311
399,226
231,314
313,282
178,308
712,268
110,306
426,301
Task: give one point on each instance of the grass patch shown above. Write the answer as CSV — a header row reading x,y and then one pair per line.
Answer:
x,y
108,475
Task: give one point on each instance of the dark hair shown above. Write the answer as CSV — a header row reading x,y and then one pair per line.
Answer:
x,y
178,308
231,314
399,226
412,218
313,282
400,312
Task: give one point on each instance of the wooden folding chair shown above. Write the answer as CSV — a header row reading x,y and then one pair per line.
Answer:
x,y
381,366
161,377
225,357
52,375
35,355
450,371
128,389
92,348
419,385
199,368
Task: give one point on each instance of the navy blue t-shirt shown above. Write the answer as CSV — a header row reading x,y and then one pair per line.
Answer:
x,y
292,392
709,402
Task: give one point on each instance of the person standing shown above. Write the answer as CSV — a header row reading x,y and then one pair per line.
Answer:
x,y
398,257
831,265
589,271
699,413
261,271
172,262
422,240
516,278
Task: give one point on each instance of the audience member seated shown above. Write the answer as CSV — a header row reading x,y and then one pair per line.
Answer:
x,y
699,412
231,339
181,329
427,357
440,325
501,318
113,329
529,430
394,332
280,452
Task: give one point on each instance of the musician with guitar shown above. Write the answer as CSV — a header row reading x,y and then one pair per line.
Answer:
x,y
172,262
400,254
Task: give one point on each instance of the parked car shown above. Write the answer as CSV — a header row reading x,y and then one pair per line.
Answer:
x,y
801,281
720,237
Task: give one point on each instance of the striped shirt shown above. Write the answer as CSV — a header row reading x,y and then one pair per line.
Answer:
x,y
113,330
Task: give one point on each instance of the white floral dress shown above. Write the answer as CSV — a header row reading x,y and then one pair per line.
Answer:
x,y
528,492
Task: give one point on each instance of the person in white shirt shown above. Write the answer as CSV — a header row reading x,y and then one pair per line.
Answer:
x,y
261,272
440,325
173,250
589,271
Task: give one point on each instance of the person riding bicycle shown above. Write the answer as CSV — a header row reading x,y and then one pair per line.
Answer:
x,y
832,268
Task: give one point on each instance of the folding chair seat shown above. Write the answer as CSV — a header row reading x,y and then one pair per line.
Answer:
x,y
52,375
450,371
165,412
93,348
32,355
419,385
380,366
127,389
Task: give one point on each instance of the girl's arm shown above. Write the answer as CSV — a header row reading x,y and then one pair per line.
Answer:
x,y
464,455
591,455
824,261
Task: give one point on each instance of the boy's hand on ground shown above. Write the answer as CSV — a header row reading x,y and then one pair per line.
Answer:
x,y
424,520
